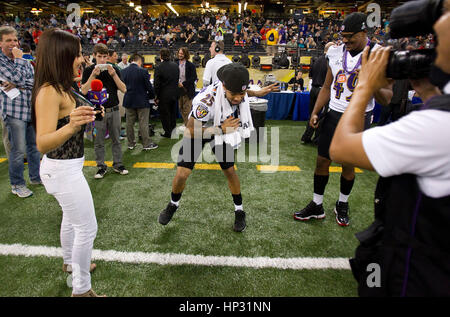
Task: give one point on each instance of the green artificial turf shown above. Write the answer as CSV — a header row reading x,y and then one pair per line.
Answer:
x,y
127,208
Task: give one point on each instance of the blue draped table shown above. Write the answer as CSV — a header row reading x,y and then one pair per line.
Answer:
x,y
301,106
279,105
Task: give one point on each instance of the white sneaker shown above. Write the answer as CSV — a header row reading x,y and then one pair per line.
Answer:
x,y
121,170
21,190
182,128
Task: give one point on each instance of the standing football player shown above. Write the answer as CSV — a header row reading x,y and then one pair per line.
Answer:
x,y
220,116
344,62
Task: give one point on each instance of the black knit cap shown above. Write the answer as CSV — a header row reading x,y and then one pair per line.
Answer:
x,y
355,22
234,76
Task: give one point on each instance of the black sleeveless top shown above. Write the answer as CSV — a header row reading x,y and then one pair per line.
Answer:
x,y
73,148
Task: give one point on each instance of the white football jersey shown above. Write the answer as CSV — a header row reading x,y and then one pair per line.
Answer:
x,y
344,83
205,103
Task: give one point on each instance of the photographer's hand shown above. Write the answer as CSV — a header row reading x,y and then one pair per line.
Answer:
x,y
372,76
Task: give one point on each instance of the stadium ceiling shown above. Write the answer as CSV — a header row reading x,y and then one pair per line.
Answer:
x,y
105,5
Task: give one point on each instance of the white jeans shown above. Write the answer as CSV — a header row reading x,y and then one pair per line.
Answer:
x,y
64,180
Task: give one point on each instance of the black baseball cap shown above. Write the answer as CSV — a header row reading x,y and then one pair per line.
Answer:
x,y
234,76
355,22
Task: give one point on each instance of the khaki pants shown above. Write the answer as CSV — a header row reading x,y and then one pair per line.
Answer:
x,y
185,106
142,115
121,107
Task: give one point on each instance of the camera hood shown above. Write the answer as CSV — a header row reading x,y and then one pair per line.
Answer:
x,y
415,18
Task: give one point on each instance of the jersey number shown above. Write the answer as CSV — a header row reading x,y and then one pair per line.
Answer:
x,y
351,82
208,100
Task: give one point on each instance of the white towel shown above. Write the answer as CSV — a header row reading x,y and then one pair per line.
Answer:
x,y
223,110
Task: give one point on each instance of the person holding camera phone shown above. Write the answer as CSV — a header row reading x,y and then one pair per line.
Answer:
x,y
344,62
59,116
409,238
110,77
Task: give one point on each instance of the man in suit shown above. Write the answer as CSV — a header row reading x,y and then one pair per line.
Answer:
x,y
167,76
136,101
186,83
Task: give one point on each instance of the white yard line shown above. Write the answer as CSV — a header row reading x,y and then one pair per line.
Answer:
x,y
307,263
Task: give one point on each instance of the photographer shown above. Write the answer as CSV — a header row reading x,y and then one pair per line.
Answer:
x,y
409,239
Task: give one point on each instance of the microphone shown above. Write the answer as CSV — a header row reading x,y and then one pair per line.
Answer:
x,y
97,95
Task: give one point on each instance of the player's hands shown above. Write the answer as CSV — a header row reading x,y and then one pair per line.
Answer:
x,y
266,90
230,124
81,116
372,75
314,121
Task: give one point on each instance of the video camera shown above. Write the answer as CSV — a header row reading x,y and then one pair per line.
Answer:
x,y
413,18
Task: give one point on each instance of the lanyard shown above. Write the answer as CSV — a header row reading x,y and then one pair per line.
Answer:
x,y
344,63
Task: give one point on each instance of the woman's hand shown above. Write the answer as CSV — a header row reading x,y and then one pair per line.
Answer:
x,y
81,116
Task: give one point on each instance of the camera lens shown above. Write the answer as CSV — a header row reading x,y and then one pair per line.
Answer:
x,y
410,64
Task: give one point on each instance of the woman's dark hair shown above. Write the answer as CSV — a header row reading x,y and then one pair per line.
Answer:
x,y
55,54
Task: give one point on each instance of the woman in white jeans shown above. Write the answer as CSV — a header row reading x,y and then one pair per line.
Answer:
x,y
60,114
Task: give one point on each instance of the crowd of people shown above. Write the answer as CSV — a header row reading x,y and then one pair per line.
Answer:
x,y
248,31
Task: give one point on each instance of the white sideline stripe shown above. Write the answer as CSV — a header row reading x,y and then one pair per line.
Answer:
x,y
183,259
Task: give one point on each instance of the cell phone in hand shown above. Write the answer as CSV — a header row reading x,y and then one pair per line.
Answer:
x,y
102,67
98,115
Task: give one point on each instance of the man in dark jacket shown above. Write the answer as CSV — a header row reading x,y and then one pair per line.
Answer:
x,y
136,101
186,84
167,76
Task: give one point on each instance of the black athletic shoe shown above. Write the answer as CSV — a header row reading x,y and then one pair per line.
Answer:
x,y
341,211
167,214
100,173
239,221
312,210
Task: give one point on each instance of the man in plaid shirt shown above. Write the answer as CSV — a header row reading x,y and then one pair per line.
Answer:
x,y
15,72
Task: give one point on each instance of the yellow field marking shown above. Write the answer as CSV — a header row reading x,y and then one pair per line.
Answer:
x,y
277,168
94,163
3,160
214,167
154,165
338,169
